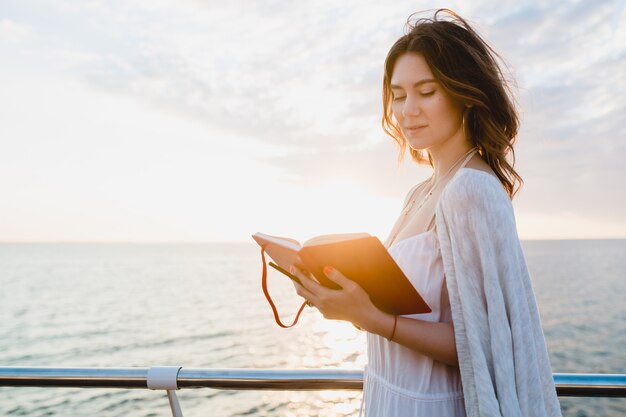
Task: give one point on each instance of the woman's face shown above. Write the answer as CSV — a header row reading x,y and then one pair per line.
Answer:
x,y
429,118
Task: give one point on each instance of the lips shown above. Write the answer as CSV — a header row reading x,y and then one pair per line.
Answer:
x,y
413,129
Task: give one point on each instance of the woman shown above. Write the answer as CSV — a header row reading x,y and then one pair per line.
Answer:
x,y
481,351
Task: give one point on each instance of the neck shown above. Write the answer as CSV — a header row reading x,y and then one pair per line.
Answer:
x,y
447,153
444,160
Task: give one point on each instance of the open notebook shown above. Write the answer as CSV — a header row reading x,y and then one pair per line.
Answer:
x,y
359,256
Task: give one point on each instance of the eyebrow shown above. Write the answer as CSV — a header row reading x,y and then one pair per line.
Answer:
x,y
417,84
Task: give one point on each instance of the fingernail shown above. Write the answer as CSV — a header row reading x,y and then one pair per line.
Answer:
x,y
292,269
328,269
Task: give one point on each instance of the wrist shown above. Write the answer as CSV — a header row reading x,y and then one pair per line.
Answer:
x,y
378,322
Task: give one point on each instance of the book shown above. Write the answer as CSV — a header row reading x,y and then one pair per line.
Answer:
x,y
359,256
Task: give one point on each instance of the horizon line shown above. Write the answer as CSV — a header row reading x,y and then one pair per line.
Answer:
x,y
205,242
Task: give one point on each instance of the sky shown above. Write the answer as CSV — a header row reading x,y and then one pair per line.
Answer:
x,y
181,120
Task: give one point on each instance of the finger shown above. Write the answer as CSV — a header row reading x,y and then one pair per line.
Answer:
x,y
306,280
301,287
337,277
296,272
304,293
312,284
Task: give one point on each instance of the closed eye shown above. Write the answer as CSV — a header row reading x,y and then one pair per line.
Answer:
x,y
399,98
428,93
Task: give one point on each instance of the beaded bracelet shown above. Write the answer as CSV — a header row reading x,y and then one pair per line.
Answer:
x,y
393,331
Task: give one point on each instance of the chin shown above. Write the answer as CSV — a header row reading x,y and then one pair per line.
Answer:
x,y
418,146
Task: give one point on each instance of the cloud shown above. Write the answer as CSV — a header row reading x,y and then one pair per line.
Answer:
x,y
13,32
306,77
238,67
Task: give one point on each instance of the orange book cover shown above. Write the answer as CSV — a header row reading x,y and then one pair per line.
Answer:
x,y
360,257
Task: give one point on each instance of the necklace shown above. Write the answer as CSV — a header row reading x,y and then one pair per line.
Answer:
x,y
410,205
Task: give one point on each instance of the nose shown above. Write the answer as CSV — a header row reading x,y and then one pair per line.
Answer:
x,y
411,106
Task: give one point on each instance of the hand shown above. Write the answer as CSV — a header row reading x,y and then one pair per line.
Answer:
x,y
350,303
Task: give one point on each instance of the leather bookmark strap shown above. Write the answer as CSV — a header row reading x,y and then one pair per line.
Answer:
x,y
269,299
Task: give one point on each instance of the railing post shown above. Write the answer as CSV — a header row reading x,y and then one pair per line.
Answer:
x,y
166,377
174,404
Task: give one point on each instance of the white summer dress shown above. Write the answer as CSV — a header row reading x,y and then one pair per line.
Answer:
x,y
402,382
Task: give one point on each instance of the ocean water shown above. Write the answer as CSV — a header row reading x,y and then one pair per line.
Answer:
x,y
201,305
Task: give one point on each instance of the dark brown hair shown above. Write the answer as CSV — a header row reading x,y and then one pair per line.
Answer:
x,y
467,70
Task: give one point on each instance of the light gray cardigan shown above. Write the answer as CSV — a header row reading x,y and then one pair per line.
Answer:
x,y
505,369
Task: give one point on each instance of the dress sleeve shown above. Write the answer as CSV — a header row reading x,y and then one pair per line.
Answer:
x,y
501,348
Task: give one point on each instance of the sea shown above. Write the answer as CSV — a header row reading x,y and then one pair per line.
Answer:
x,y
201,306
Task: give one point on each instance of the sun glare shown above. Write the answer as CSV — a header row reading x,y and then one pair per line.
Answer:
x,y
343,340
344,205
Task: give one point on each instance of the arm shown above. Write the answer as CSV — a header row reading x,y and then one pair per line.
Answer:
x,y
433,339
352,303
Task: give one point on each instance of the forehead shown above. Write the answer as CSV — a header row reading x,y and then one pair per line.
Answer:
x,y
410,68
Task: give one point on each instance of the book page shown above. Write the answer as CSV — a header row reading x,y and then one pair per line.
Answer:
x,y
280,241
339,237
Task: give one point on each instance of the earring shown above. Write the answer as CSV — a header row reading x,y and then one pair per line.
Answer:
x,y
463,121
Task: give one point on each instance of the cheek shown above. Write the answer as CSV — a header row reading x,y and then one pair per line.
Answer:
x,y
443,111
396,111
397,114
435,107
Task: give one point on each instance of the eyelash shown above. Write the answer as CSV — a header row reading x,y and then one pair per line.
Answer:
x,y
428,94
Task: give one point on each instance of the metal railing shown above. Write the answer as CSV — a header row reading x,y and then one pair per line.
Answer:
x,y
173,378
576,385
